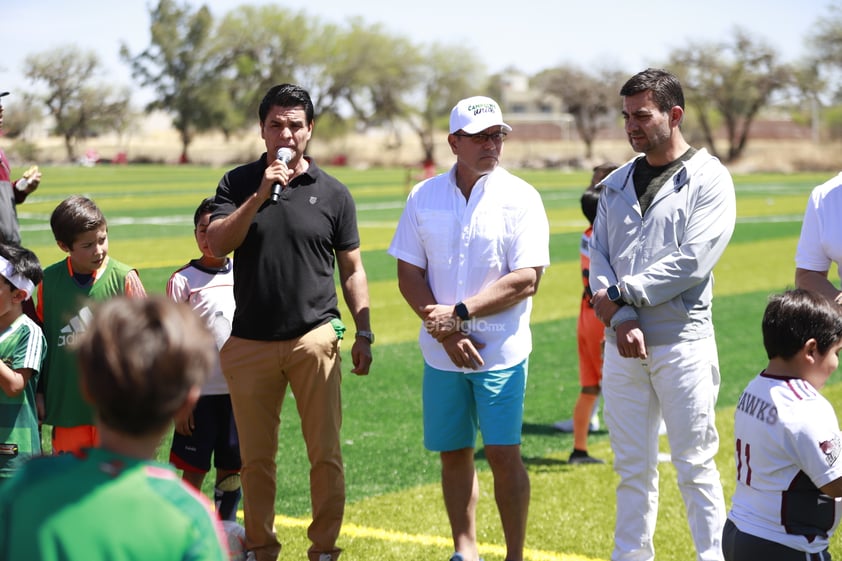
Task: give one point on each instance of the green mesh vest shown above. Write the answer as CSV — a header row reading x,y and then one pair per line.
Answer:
x,y
67,313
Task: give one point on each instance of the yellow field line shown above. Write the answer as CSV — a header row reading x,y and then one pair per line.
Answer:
x,y
381,534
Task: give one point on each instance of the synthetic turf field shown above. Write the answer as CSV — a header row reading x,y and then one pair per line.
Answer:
x,y
394,508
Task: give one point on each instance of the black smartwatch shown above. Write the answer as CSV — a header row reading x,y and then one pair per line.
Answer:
x,y
615,295
366,335
462,311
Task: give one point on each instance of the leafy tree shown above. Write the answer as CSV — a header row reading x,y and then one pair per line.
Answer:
x,y
497,82
447,73
733,80
821,73
257,47
592,99
833,122
358,75
178,67
826,45
807,89
20,114
79,107
324,76
371,70
364,83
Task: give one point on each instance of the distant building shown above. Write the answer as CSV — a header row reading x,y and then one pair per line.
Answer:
x,y
533,114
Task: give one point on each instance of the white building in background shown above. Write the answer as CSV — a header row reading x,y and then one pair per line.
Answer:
x,y
538,116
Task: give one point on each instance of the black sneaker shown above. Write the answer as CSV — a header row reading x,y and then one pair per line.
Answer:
x,y
584,459
458,557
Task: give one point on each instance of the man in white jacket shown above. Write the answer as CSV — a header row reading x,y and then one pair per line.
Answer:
x,y
663,222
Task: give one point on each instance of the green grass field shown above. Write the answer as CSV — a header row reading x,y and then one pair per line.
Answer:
x,y
395,509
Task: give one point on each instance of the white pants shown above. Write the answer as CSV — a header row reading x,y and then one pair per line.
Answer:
x,y
681,383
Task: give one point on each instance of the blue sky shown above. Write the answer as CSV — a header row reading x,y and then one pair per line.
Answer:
x,y
530,35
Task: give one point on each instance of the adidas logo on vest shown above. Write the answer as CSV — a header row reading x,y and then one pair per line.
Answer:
x,y
77,325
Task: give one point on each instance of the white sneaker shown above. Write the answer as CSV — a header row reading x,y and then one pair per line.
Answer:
x,y
567,425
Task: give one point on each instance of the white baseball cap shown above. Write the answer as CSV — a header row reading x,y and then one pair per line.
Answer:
x,y
475,114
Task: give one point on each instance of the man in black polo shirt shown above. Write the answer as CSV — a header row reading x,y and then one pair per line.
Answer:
x,y
286,328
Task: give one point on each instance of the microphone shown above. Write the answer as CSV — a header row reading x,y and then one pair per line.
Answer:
x,y
284,155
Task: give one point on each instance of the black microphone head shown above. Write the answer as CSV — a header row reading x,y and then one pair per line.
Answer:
x,y
284,154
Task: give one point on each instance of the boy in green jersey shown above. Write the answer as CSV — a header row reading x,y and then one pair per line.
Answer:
x,y
141,362
22,347
64,298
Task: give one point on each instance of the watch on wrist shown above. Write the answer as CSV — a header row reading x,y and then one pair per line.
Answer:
x,y
462,311
366,334
615,295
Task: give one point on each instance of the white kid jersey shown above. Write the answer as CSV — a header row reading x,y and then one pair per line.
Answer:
x,y
210,292
787,446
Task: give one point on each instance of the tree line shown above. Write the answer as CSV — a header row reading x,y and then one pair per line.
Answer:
x,y
209,74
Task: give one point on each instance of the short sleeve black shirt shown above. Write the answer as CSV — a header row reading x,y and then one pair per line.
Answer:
x,y
284,269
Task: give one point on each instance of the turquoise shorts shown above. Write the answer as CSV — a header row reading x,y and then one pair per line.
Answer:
x,y
457,404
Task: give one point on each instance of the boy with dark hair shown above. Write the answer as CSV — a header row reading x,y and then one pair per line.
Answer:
x,y
789,477
141,362
590,335
206,285
22,348
87,274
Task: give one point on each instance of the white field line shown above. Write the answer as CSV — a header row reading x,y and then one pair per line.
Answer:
x,y
44,221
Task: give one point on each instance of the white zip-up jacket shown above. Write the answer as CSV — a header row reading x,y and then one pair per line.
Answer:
x,y
663,261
